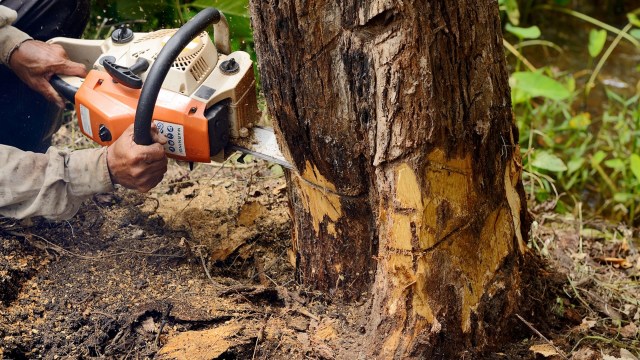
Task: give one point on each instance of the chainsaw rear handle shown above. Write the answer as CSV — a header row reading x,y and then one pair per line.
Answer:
x,y
160,68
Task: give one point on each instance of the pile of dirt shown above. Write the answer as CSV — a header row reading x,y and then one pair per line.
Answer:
x,y
200,268
201,260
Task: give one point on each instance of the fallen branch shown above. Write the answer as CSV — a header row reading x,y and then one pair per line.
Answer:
x,y
542,337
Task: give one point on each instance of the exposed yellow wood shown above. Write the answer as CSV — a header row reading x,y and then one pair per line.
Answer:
x,y
478,258
400,238
319,197
420,299
408,192
407,210
447,185
511,180
441,206
313,175
392,342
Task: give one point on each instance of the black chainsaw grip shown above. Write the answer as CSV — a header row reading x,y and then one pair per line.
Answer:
x,y
160,68
63,88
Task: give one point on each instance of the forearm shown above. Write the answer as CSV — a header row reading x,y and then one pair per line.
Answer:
x,y
10,37
52,185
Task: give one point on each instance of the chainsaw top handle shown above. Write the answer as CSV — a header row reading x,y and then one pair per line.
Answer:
x,y
160,68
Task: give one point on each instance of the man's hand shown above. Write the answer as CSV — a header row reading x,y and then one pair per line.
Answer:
x,y
34,62
134,166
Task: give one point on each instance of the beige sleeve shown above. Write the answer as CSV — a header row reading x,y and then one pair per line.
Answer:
x,y
52,185
10,37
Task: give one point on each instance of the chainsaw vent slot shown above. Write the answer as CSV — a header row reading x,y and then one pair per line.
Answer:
x,y
199,69
187,57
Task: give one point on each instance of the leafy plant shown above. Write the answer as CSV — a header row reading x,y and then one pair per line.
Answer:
x,y
597,39
575,155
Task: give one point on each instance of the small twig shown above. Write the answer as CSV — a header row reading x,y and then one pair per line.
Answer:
x,y
165,318
73,235
519,55
103,314
206,271
260,336
306,313
155,209
264,270
542,336
239,289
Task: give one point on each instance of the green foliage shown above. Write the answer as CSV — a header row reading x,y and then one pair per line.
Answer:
x,y
532,32
512,10
575,154
527,85
597,39
543,160
237,14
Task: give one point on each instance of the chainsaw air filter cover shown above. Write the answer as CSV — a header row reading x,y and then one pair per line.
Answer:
x,y
191,67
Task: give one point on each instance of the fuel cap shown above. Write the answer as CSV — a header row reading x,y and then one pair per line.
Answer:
x,y
229,67
122,35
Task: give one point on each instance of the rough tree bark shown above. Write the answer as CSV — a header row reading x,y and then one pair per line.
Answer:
x,y
398,117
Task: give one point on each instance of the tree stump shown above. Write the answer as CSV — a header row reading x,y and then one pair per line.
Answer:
x,y
408,192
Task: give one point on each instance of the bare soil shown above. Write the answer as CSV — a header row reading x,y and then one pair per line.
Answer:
x,y
200,268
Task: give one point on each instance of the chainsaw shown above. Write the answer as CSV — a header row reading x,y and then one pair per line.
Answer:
x,y
199,94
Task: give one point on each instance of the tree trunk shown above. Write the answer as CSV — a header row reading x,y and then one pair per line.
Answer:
x,y
398,118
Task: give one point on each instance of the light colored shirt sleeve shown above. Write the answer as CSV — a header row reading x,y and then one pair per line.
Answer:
x,y
52,185
10,37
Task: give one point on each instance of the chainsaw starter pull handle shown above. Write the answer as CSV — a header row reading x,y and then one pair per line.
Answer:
x,y
122,74
160,68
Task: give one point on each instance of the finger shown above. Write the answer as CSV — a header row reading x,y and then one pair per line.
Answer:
x,y
71,68
49,93
151,153
128,135
156,137
58,49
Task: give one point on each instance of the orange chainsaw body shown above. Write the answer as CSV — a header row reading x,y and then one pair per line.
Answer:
x,y
106,109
